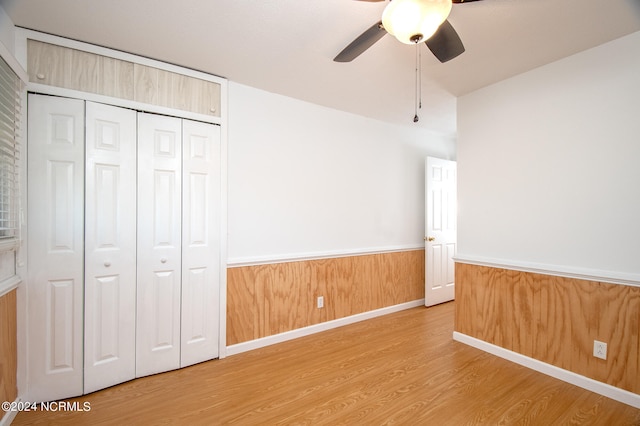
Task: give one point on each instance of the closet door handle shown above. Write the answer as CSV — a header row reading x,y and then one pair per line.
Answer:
x,y
163,260
107,263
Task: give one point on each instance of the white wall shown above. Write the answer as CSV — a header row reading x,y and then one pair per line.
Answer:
x,y
549,164
305,180
7,31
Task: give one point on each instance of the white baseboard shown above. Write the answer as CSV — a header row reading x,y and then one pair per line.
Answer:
x,y
317,328
9,415
604,389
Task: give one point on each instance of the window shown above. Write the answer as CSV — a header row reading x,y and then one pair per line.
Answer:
x,y
10,112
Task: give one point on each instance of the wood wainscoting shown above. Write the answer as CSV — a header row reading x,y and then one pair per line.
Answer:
x,y
8,348
554,320
263,300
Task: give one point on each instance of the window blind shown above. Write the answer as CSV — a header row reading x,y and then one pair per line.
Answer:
x,y
10,114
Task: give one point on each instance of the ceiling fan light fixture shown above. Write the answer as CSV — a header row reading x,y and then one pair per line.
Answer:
x,y
414,21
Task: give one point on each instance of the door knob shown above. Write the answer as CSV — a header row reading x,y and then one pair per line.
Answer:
x,y
163,260
429,238
107,263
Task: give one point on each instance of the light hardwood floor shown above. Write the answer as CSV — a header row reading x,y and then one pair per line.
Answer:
x,y
402,368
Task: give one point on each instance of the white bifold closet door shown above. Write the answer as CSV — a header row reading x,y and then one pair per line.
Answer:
x,y
159,243
55,247
200,242
123,245
110,246
178,243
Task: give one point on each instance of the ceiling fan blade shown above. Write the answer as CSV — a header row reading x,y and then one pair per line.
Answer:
x,y
445,44
362,43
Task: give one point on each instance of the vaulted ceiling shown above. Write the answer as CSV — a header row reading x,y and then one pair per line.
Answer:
x,y
287,46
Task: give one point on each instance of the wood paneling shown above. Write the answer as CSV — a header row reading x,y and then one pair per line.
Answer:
x,y
115,78
164,88
146,82
269,299
193,94
554,320
74,69
88,72
400,369
8,348
47,63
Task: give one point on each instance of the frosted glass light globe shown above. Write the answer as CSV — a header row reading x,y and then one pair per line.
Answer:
x,y
414,21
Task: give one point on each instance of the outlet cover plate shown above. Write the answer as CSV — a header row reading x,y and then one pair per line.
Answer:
x,y
599,349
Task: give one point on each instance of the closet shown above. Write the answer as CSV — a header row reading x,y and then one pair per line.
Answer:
x,y
123,245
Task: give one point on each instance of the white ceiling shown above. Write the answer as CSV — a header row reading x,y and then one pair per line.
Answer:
x,y
287,46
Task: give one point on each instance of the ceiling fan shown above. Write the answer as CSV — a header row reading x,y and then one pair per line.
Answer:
x,y
412,22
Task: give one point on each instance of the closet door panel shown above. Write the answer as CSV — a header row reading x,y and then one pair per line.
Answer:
x,y
110,246
200,242
55,247
159,243
161,305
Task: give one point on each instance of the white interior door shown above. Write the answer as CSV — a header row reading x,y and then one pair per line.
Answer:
x,y
440,227
110,246
55,247
200,242
159,243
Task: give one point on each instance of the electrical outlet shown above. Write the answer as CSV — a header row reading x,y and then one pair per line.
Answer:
x,y
320,302
599,349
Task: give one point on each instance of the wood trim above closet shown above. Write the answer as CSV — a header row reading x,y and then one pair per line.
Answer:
x,y
75,69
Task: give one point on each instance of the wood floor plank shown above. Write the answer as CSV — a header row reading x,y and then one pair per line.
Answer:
x,y
403,368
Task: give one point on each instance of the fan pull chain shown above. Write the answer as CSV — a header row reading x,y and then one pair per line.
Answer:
x,y
418,98
419,78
